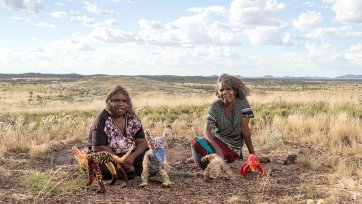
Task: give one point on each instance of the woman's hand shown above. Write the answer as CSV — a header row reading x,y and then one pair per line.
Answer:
x,y
210,138
128,163
141,145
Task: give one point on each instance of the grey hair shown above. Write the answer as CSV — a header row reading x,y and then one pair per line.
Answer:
x,y
235,83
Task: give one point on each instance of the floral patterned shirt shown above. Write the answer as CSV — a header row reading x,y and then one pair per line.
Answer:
x,y
105,132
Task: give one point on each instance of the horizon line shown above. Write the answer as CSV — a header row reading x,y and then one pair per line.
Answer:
x,y
267,76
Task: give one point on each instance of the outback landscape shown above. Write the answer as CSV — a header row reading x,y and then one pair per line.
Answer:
x,y
319,121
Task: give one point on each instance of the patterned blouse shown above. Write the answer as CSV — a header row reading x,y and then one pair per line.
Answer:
x,y
228,128
105,132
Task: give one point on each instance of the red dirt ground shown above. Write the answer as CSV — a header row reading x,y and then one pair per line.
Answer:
x,y
282,182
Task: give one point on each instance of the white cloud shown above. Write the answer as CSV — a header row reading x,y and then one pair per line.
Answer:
x,y
220,25
38,49
92,7
59,55
45,25
255,13
348,11
307,20
36,39
194,30
320,60
85,47
149,25
153,37
325,53
4,42
193,42
310,3
58,14
219,10
183,31
289,39
354,54
83,19
197,21
182,60
189,37
259,19
8,57
271,36
107,34
198,29
28,5
18,18
328,1
173,37
333,32
110,22
224,38
59,4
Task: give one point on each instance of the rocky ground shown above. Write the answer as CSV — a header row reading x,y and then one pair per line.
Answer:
x,y
281,185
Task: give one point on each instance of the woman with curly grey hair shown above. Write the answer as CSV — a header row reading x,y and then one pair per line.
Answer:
x,y
227,123
116,129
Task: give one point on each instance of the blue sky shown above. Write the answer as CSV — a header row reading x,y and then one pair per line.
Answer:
x,y
188,37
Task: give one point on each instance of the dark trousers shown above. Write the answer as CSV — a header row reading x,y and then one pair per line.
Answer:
x,y
137,164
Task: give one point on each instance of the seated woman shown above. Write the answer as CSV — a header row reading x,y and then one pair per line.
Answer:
x,y
227,123
115,129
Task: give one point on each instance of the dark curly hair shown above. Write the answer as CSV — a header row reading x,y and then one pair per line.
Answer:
x,y
123,91
235,83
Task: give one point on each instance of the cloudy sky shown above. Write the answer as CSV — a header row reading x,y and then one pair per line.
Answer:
x,y
182,37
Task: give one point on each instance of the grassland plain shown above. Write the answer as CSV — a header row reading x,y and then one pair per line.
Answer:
x,y
319,121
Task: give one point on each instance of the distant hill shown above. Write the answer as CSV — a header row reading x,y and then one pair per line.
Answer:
x,y
344,77
349,76
179,79
40,75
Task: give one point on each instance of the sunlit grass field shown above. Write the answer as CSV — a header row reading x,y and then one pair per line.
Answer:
x,y
37,114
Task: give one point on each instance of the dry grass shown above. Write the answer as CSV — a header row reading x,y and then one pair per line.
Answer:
x,y
38,138
236,200
51,182
335,98
338,133
39,151
325,117
154,100
4,172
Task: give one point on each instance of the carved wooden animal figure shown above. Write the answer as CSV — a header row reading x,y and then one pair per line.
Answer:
x,y
154,161
217,168
91,163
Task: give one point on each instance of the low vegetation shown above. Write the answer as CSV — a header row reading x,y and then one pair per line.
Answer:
x,y
38,115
